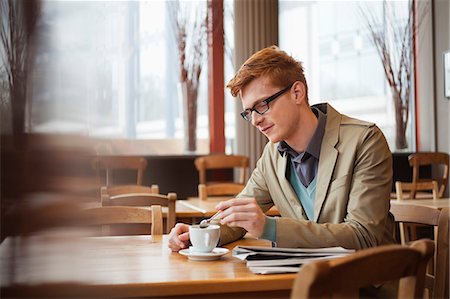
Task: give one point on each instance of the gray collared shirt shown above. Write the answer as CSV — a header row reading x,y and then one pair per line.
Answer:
x,y
306,163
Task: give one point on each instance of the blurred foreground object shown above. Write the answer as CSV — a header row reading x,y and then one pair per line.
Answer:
x,y
343,277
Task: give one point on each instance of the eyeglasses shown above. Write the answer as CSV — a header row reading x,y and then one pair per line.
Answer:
x,y
263,106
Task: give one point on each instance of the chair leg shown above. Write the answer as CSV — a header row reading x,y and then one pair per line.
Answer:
x,y
202,193
412,232
403,233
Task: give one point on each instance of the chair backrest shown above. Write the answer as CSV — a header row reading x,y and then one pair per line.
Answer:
x,y
142,198
207,188
112,164
106,216
401,187
222,162
219,189
343,277
434,159
127,189
437,282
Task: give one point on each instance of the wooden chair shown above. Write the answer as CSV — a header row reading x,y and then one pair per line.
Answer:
x,y
142,197
437,281
343,277
106,216
434,159
111,165
210,188
408,231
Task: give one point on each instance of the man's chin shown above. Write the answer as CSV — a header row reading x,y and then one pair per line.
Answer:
x,y
273,139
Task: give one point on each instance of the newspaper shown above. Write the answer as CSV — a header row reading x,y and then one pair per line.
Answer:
x,y
269,260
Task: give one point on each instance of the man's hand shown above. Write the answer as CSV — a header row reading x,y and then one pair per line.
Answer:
x,y
243,212
179,237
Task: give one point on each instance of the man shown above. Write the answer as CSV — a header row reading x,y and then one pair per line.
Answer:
x,y
328,174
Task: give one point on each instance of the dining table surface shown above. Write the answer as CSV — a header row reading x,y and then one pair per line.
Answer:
x,y
69,265
432,203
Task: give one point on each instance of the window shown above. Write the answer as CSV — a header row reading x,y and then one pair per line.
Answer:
x,y
109,69
341,65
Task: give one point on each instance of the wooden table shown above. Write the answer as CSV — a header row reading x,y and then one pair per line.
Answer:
x,y
436,204
130,266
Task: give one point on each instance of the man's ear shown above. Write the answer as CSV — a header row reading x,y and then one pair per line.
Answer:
x,y
299,90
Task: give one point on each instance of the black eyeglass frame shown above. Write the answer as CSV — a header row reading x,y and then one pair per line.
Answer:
x,y
247,113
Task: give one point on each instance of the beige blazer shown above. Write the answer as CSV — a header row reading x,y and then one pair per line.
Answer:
x,y
354,181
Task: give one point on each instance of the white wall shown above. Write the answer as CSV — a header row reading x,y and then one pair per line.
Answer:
x,y
441,44
425,103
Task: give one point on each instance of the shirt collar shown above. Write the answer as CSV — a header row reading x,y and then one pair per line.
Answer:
x,y
315,143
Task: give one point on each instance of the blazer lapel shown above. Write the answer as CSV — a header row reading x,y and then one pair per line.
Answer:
x,y
327,159
285,185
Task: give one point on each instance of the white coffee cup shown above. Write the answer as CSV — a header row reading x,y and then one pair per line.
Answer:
x,y
204,239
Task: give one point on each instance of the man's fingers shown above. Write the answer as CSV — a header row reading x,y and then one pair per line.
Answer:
x,y
238,216
175,240
181,228
223,205
248,208
177,244
184,237
237,224
179,237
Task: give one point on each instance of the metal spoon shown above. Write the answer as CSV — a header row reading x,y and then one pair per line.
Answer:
x,y
206,222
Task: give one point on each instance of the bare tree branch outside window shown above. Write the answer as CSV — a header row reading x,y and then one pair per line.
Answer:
x,y
393,39
17,23
190,31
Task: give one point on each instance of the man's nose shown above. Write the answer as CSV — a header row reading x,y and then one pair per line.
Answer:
x,y
256,118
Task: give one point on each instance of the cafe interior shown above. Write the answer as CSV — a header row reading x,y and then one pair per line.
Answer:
x,y
116,125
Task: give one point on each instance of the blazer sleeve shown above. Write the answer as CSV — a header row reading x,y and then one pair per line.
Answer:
x,y
256,187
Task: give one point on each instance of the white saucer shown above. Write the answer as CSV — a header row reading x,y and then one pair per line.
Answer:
x,y
215,254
